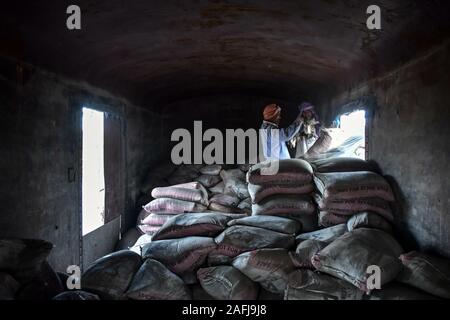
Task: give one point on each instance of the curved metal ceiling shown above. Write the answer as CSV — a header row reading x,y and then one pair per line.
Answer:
x,y
155,52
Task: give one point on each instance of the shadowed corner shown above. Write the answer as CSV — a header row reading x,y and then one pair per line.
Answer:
x,y
399,208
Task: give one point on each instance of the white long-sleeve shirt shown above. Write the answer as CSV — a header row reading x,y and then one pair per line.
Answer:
x,y
274,148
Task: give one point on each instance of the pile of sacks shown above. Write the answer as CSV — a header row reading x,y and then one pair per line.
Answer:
x,y
215,178
219,256
348,187
169,201
335,263
200,188
278,252
281,252
183,263
25,273
284,194
230,195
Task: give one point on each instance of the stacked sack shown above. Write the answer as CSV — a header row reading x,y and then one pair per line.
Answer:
x,y
210,187
163,182
217,255
278,252
230,195
286,193
350,186
166,174
331,263
335,263
25,273
169,201
222,256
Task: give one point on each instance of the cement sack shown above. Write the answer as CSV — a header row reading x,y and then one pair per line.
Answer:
x,y
326,235
309,285
140,243
348,147
305,251
227,200
342,165
213,169
329,219
273,223
290,171
227,283
426,272
245,206
193,224
213,206
214,259
234,181
148,229
349,256
8,286
308,221
399,291
352,185
173,206
192,192
351,206
189,278
182,255
320,146
238,239
128,239
76,295
218,188
156,219
283,204
141,216
269,267
44,286
110,276
149,185
208,180
153,281
261,192
22,258
231,215
369,220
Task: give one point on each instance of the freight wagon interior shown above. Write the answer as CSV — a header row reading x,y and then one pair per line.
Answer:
x,y
87,115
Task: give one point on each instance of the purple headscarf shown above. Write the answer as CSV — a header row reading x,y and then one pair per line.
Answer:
x,y
307,106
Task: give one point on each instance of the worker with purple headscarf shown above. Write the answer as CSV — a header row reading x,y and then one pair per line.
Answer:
x,y
309,130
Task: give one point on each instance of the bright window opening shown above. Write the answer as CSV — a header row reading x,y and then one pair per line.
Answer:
x,y
353,125
93,177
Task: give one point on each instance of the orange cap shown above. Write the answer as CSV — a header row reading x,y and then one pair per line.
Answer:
x,y
271,112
